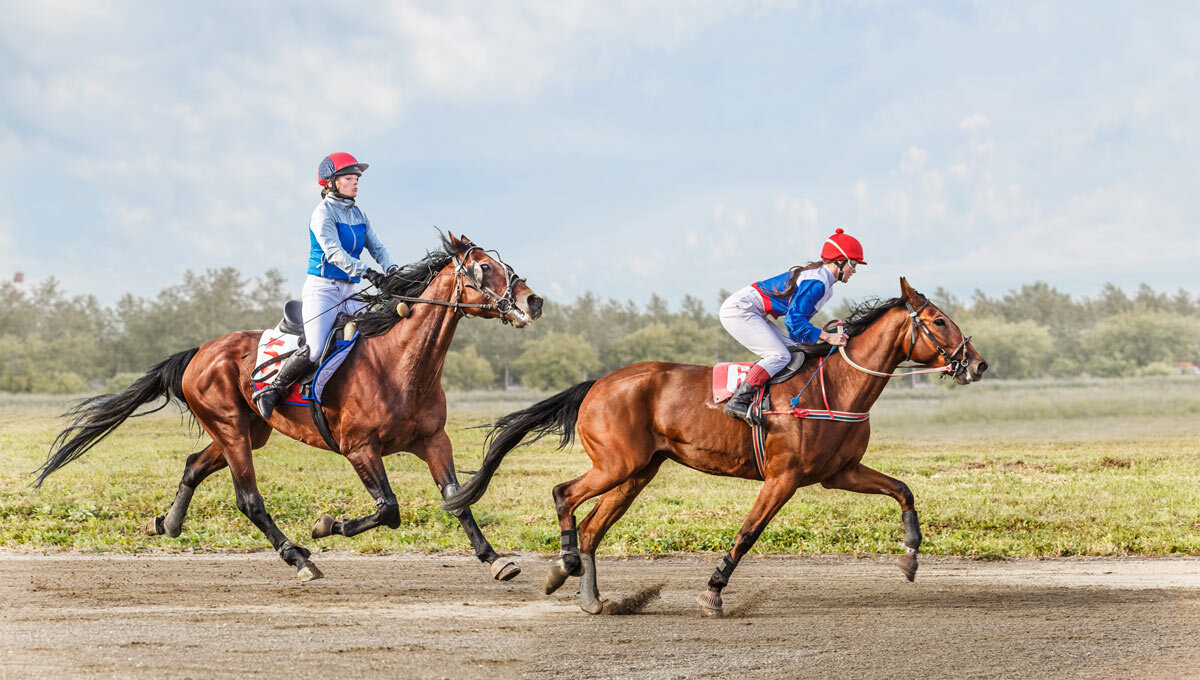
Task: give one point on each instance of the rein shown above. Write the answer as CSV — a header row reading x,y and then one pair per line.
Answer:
x,y
953,367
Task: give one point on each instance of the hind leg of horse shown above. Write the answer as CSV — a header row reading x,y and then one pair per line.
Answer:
x,y
369,465
567,497
775,492
862,479
199,466
438,454
610,508
250,502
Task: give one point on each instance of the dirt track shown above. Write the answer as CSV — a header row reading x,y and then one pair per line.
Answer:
x,y
227,615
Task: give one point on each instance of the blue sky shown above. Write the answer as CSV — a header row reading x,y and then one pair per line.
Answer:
x,y
619,147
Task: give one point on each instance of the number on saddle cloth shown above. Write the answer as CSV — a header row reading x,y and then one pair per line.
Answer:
x,y
729,375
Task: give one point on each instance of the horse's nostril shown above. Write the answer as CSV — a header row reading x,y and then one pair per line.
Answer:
x,y
535,306
982,367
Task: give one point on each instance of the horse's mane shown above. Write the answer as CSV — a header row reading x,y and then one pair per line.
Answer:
x,y
379,315
867,312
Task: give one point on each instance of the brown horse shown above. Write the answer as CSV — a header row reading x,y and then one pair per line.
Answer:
x,y
387,398
632,420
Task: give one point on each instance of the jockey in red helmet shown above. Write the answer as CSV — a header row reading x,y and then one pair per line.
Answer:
x,y
796,295
338,232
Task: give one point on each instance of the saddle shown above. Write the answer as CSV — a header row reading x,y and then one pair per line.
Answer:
x,y
728,376
286,339
292,323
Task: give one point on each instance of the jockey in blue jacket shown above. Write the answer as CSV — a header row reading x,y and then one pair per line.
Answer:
x,y
796,295
338,232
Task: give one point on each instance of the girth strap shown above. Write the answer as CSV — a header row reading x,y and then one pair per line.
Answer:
x,y
318,416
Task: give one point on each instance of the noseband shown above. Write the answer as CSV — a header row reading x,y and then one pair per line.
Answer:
x,y
956,367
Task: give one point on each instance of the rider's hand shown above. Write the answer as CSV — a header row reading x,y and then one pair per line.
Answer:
x,y
376,278
835,339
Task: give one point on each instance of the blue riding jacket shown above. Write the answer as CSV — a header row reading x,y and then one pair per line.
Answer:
x,y
814,287
338,232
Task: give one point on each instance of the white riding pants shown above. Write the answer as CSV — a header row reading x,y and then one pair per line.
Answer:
x,y
745,317
323,298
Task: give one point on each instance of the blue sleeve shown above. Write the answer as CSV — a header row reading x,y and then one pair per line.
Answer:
x,y
802,308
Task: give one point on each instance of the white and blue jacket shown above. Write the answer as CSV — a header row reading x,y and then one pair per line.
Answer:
x,y
814,287
337,233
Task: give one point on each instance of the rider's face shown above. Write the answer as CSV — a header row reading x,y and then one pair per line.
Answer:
x,y
347,185
848,270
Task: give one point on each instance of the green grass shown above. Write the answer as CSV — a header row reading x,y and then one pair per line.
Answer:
x,y
998,469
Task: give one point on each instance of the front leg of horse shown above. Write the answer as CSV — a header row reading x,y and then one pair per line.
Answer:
x,y
368,463
438,455
776,491
862,479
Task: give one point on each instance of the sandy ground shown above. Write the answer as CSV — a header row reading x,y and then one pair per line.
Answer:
x,y
414,616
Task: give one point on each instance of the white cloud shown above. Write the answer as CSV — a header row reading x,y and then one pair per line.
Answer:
x,y
914,159
1115,226
469,49
975,122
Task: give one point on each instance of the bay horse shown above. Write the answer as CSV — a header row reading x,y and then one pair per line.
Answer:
x,y
387,398
633,419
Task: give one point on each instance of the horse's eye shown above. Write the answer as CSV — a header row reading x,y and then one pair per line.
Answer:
x,y
939,322
485,267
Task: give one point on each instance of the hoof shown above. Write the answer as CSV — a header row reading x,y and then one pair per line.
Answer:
x,y
504,570
308,572
154,527
908,565
598,606
323,527
711,605
557,576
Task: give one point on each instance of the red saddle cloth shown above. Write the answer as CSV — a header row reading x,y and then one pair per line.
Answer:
x,y
727,377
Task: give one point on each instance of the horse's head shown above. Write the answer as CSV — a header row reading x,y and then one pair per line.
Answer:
x,y
934,339
489,288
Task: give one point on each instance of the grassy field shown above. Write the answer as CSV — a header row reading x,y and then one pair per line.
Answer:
x,y
998,469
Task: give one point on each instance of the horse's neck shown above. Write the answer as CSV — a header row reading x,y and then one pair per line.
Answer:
x,y
878,348
416,347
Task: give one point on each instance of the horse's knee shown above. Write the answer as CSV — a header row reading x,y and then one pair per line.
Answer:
x,y
559,493
904,494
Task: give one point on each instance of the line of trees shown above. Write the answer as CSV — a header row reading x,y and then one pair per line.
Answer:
x,y
53,342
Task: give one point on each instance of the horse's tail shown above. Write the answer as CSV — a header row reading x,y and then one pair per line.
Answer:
x,y
94,418
556,414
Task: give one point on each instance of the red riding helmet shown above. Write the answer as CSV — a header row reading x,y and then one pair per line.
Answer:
x,y
842,246
338,164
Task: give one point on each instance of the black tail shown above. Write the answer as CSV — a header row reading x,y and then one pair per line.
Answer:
x,y
93,419
556,414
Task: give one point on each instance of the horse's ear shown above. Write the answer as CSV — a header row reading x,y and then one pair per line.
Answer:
x,y
909,293
453,238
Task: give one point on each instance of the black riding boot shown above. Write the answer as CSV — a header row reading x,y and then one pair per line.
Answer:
x,y
739,404
294,368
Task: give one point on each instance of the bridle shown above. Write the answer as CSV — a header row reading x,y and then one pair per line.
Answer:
x,y
954,367
472,278
504,303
